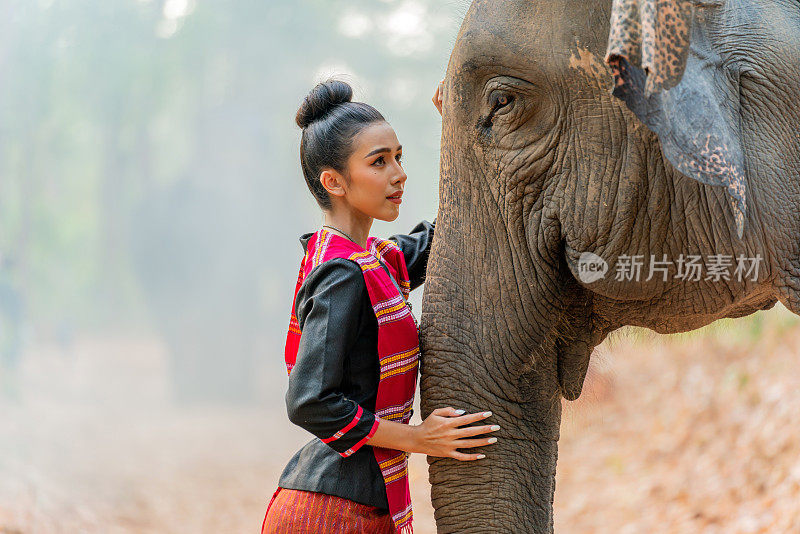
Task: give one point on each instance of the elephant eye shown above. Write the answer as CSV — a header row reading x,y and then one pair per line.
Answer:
x,y
500,99
500,102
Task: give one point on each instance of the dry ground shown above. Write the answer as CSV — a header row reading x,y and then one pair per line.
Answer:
x,y
691,433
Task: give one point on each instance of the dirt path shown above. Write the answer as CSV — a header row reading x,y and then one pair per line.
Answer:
x,y
695,433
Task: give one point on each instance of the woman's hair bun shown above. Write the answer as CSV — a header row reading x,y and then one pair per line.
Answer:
x,y
321,100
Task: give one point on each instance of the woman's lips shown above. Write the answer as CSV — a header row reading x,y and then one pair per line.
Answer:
x,y
397,199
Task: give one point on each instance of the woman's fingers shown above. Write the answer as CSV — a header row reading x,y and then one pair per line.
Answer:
x,y
475,430
437,96
468,443
447,412
469,418
467,457
444,434
457,417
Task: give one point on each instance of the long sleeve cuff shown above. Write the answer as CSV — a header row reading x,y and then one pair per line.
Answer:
x,y
355,434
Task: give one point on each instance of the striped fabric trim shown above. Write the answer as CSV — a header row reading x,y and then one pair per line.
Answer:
x,y
389,310
399,411
298,511
393,317
362,441
347,427
390,303
403,515
381,245
322,248
394,468
366,260
294,326
377,251
386,277
399,356
401,473
400,369
369,266
399,363
393,461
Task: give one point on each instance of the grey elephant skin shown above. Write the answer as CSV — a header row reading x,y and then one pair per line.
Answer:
x,y
540,164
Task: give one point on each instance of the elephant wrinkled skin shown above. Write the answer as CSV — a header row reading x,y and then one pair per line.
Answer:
x,y
541,164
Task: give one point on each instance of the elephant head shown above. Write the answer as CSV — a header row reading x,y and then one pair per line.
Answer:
x,y
544,171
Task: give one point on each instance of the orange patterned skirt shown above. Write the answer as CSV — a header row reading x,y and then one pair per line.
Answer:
x,y
305,512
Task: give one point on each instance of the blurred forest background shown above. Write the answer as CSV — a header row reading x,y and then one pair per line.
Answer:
x,y
149,175
151,202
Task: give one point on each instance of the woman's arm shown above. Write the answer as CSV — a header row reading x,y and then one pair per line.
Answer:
x,y
328,306
328,310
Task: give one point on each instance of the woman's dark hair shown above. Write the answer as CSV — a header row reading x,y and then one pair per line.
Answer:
x,y
330,121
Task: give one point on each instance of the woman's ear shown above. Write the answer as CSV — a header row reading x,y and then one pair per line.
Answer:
x,y
333,182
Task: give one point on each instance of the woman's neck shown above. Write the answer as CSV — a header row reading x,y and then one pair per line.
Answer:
x,y
357,228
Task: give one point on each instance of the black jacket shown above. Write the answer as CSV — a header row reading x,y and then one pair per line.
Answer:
x,y
337,370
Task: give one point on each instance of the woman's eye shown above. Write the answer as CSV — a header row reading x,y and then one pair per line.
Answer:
x,y
399,158
378,161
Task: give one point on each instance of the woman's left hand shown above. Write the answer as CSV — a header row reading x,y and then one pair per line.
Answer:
x,y
437,96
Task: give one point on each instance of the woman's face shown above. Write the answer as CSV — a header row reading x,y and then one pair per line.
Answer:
x,y
376,176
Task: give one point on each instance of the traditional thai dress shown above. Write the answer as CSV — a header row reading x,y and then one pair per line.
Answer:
x,y
352,354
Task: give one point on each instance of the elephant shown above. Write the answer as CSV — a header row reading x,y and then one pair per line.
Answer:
x,y
547,179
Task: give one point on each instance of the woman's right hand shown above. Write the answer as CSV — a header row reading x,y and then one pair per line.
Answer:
x,y
439,434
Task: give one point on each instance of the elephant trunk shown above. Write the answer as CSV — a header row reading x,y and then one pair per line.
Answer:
x,y
510,490
476,358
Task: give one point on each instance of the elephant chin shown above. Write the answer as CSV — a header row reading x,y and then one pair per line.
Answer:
x,y
573,363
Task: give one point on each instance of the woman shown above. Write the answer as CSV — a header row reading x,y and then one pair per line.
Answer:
x,y
352,349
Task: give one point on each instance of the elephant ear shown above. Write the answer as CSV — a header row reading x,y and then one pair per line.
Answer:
x,y
669,75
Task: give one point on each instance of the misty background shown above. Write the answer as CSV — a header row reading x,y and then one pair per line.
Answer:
x,y
151,202
149,173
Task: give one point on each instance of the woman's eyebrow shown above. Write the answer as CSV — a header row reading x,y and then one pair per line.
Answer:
x,y
383,149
